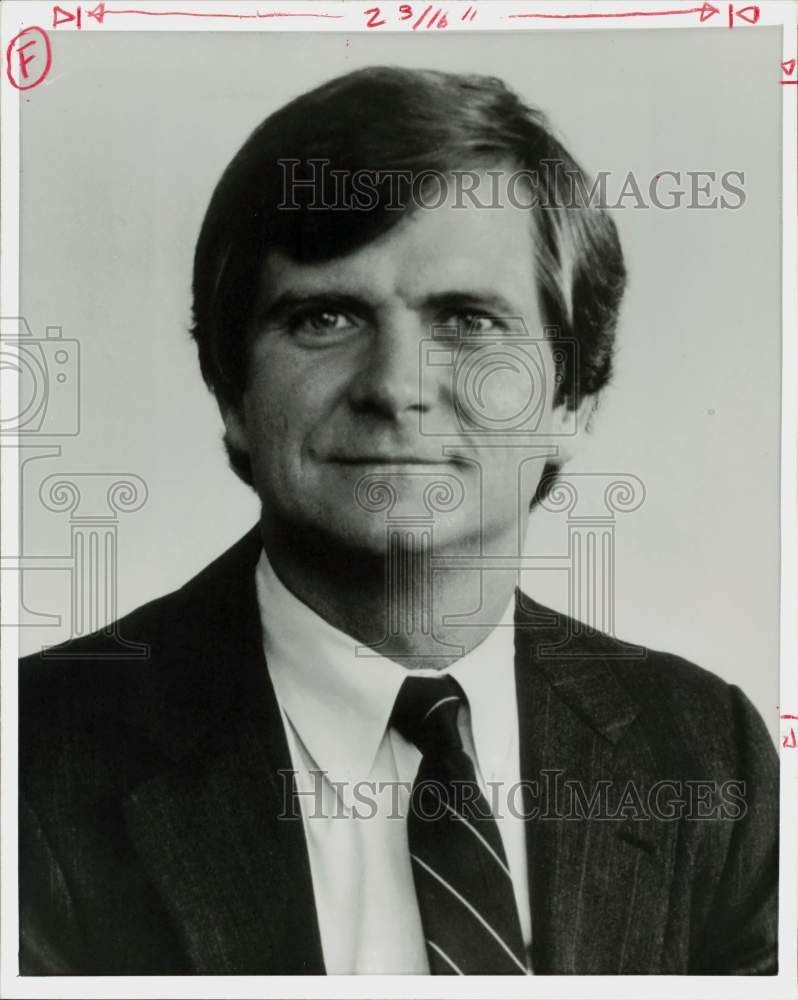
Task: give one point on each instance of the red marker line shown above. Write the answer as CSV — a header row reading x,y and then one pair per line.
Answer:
x,y
706,11
420,21
237,17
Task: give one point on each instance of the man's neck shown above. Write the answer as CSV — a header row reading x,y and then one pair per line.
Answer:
x,y
398,606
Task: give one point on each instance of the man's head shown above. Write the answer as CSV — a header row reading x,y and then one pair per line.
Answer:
x,y
316,294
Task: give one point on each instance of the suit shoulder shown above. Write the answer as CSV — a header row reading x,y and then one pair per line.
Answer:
x,y
80,702
661,678
685,710
106,657
99,700
672,676
562,640
140,638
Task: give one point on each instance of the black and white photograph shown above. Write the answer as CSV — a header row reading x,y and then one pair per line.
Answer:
x,y
398,556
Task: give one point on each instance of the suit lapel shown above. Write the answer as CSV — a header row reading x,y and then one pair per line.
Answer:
x,y
218,827
599,887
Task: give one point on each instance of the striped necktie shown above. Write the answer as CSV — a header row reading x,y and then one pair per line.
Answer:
x,y
462,880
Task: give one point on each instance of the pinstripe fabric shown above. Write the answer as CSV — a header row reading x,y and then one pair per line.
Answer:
x,y
463,884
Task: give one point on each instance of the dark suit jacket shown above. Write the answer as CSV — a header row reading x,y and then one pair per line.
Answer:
x,y
150,793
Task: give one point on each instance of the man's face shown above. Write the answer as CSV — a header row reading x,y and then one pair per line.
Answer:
x,y
351,401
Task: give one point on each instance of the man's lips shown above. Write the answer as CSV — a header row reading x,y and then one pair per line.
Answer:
x,y
382,459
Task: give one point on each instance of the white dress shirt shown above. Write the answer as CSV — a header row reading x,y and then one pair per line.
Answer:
x,y
335,706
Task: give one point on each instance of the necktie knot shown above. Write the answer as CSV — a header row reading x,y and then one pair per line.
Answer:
x,y
425,713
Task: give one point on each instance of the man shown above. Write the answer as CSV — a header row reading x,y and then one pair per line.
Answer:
x,y
356,746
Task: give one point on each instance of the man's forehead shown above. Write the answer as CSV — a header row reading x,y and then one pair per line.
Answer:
x,y
429,250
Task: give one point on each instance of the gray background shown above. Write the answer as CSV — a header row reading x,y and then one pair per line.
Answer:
x,y
121,148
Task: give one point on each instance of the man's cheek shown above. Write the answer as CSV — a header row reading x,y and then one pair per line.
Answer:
x,y
269,413
498,389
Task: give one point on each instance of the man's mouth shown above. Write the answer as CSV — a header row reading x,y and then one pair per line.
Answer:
x,y
383,459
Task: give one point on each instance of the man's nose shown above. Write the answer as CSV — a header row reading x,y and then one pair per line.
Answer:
x,y
389,381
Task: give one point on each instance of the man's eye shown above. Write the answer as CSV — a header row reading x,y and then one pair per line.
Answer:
x,y
475,324
321,323
482,324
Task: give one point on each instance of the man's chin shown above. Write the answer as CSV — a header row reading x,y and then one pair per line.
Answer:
x,y
368,534
376,536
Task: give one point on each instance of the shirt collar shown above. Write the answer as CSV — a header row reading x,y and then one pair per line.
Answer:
x,y
487,675
339,702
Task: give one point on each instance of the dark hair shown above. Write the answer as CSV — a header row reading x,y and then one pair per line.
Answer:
x,y
390,121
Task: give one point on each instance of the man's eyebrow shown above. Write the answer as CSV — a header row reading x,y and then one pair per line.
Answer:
x,y
291,299
487,302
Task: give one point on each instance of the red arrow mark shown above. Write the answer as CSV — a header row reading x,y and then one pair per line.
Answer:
x,y
100,12
706,10
749,14
61,16
788,68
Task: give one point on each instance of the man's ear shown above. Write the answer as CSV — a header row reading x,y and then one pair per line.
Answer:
x,y
235,426
570,426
